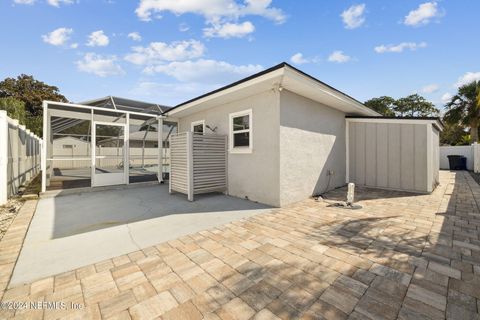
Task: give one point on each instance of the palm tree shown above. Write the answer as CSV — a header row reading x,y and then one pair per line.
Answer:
x,y
464,108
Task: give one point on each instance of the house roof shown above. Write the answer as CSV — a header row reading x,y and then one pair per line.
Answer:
x,y
282,76
436,121
112,102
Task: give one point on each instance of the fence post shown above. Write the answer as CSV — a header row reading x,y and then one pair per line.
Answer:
x,y
21,129
43,147
28,138
475,157
3,157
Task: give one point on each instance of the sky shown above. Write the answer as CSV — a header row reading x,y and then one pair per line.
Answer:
x,y
168,51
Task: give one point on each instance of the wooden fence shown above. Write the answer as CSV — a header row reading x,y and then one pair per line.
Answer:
x,y
19,156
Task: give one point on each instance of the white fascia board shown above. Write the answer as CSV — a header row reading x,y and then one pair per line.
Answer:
x,y
389,120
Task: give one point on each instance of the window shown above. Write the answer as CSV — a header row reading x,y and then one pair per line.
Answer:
x,y
68,146
241,132
198,127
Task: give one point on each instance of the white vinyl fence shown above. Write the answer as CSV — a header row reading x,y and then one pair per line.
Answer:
x,y
19,156
472,153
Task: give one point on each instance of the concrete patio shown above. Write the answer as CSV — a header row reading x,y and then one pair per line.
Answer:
x,y
400,256
74,230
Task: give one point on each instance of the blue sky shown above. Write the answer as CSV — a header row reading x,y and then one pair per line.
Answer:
x,y
168,51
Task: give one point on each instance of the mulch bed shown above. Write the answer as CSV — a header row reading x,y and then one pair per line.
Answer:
x,y
9,211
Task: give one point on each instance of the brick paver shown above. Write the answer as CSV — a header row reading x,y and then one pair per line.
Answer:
x,y
400,256
12,242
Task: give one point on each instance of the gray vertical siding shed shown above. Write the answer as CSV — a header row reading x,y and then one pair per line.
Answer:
x,y
397,154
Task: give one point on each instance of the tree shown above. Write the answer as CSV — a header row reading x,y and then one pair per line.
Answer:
x,y
383,105
414,106
454,135
30,91
411,106
464,108
15,109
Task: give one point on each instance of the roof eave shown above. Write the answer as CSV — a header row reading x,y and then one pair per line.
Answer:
x,y
280,70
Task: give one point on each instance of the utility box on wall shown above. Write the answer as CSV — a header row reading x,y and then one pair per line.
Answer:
x,y
393,153
198,163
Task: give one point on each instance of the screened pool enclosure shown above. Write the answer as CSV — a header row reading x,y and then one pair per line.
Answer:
x,y
108,141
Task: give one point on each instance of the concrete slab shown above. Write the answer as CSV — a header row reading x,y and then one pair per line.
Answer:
x,y
71,231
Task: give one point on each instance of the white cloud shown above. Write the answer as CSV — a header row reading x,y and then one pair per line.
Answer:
x,y
446,97
354,16
183,27
298,58
30,2
339,57
229,30
74,45
431,88
58,37
101,66
467,78
412,46
423,14
221,16
56,3
211,10
158,52
205,71
98,39
135,36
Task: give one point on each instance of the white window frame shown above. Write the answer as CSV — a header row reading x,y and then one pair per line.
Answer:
x,y
231,148
196,123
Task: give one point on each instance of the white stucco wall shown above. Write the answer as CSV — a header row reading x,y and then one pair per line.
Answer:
x,y
312,142
254,175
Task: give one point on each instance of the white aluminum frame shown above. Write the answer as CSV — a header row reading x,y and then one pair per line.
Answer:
x,y
108,179
46,131
231,148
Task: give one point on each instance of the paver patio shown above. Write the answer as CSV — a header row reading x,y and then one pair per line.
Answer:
x,y
401,256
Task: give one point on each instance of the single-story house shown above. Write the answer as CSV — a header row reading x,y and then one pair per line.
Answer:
x,y
291,136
